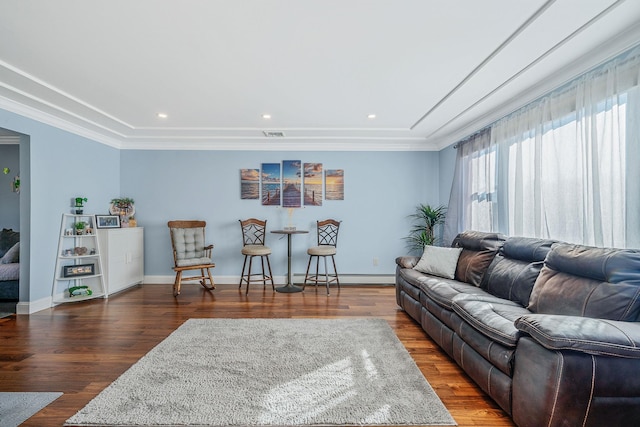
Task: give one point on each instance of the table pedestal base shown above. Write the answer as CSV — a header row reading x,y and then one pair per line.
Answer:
x,y
288,289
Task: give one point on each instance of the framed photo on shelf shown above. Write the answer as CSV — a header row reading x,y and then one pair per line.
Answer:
x,y
108,221
78,270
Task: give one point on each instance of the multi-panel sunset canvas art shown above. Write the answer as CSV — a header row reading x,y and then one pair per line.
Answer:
x,y
292,184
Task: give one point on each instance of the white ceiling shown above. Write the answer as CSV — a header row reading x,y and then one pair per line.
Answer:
x,y
432,71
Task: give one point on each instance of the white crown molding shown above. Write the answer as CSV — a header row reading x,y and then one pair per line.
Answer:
x,y
49,119
284,144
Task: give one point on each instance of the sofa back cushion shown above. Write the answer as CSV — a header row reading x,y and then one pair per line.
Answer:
x,y
591,282
478,250
8,238
515,268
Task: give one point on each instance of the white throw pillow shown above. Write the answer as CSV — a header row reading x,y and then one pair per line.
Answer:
x,y
12,255
438,261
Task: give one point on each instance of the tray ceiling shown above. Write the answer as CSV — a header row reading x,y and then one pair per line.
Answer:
x,y
430,71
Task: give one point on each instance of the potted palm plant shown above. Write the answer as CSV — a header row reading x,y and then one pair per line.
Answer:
x,y
425,221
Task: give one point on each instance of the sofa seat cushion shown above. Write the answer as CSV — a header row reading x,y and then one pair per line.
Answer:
x,y
496,354
592,336
442,291
590,282
491,316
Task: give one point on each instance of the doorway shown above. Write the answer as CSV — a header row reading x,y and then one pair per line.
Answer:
x,y
9,221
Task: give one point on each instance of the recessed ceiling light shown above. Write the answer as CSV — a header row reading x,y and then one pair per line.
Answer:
x,y
162,115
266,116
371,116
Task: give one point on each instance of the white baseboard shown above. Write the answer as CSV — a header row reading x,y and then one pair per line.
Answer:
x,y
30,307
347,279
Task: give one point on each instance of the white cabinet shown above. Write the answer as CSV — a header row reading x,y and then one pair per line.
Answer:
x,y
122,254
78,272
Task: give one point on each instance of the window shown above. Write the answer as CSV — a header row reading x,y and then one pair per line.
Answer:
x,y
563,167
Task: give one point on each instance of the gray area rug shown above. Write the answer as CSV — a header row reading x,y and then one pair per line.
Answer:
x,y
16,408
271,372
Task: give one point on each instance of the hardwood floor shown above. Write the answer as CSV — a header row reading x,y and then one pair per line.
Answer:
x,y
80,348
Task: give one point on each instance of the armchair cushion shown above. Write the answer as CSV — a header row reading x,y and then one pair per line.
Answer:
x,y
189,242
588,335
193,261
439,262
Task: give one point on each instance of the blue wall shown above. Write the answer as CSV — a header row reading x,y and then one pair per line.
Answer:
x,y
55,167
381,190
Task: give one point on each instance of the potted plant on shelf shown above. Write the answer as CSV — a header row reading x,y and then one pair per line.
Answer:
x,y
79,204
80,226
426,220
122,206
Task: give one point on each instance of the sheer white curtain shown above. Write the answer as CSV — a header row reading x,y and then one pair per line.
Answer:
x,y
473,192
565,167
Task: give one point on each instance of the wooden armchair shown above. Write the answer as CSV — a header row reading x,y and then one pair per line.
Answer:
x,y
190,253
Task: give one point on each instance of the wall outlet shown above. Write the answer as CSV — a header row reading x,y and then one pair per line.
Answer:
x,y
375,261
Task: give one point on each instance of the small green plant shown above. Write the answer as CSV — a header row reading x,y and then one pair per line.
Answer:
x,y
426,220
122,202
79,204
80,225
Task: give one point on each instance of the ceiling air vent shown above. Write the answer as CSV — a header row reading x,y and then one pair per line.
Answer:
x,y
273,134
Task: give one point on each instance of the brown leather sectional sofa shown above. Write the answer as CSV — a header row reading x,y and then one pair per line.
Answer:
x,y
549,330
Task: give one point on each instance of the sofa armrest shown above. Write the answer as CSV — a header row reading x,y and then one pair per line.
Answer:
x,y
407,261
583,334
